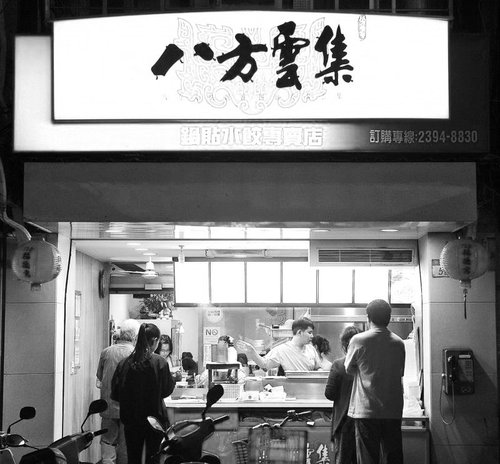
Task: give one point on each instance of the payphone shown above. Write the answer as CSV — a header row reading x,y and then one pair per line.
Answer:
x,y
458,371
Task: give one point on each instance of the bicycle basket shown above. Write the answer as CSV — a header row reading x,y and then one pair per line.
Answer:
x,y
268,445
240,448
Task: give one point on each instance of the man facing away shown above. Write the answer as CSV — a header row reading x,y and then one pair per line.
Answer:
x,y
297,354
109,359
376,358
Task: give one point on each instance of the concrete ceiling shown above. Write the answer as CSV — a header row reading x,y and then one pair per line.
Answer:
x,y
136,242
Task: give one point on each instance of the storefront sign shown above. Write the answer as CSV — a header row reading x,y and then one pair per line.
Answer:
x,y
437,270
234,65
214,314
466,131
211,335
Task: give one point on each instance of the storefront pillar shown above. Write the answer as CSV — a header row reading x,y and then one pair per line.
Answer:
x,y
34,336
471,434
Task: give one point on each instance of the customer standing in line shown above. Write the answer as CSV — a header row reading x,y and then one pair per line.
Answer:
x,y
338,389
140,383
113,447
376,358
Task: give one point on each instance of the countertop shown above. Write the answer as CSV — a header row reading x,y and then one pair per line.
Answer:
x,y
233,404
313,404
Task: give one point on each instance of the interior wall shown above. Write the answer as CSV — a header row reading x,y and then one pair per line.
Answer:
x,y
472,435
86,336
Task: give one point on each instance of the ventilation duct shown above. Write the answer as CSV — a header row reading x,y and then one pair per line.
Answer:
x,y
362,253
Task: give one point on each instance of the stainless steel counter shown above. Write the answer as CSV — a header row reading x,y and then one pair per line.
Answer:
x,y
244,415
225,404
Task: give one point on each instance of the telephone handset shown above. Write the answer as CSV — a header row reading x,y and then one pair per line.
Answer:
x,y
458,371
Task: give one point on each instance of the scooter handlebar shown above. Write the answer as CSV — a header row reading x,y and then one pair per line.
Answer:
x,y
220,419
100,432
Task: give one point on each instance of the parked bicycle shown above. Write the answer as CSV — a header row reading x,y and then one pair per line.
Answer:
x,y
272,443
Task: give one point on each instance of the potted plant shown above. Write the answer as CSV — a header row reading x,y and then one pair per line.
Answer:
x,y
156,305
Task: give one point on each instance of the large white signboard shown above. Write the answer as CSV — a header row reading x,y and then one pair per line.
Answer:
x,y
250,65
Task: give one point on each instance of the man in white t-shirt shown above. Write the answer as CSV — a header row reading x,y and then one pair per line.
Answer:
x,y
297,354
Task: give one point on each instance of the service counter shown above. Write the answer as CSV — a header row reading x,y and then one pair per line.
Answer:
x,y
246,414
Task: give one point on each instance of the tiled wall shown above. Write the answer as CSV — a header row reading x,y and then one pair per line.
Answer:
x,y
33,354
472,437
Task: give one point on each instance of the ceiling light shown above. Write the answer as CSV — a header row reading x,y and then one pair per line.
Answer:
x,y
141,249
149,253
114,231
150,266
389,230
150,272
133,244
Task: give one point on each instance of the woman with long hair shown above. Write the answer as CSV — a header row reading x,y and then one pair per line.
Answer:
x,y
140,383
338,389
322,346
164,349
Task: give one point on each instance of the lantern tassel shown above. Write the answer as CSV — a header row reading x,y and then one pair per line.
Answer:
x,y
465,303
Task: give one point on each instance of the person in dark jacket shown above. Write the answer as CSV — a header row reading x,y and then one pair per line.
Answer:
x,y
338,389
140,383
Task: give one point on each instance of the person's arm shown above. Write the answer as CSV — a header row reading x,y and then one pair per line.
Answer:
x,y
115,383
350,362
100,370
167,381
249,350
334,382
317,360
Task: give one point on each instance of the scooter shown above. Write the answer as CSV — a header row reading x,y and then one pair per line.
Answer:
x,y
183,441
13,440
68,448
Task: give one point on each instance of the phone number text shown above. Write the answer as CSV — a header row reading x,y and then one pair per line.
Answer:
x,y
423,136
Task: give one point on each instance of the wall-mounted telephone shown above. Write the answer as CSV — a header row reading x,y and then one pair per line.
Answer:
x,y
458,371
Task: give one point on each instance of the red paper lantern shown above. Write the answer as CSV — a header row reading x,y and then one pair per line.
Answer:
x,y
464,260
36,261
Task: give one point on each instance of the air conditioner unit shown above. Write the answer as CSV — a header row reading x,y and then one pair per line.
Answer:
x,y
363,253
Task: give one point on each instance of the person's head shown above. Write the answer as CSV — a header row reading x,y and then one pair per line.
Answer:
x,y
379,312
186,354
224,338
128,330
302,330
346,335
164,346
148,339
321,344
189,365
242,359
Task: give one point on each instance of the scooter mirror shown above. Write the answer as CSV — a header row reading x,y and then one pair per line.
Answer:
x,y
97,406
155,423
214,394
28,412
15,440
